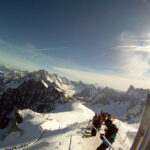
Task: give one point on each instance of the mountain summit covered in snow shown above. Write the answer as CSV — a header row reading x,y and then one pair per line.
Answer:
x,y
133,98
43,92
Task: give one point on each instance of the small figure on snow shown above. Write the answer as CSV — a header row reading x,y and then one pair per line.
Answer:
x,y
110,134
108,116
96,124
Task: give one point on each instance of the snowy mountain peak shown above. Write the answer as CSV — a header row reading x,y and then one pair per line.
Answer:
x,y
42,92
42,71
131,89
71,89
39,75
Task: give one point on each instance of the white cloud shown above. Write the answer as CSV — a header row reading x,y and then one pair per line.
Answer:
x,y
135,48
40,55
103,79
29,47
134,55
18,63
133,66
30,54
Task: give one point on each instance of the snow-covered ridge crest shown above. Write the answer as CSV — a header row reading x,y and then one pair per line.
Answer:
x,y
62,129
85,92
55,124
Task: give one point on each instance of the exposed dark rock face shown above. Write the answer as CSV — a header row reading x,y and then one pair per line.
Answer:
x,y
30,94
6,108
29,91
9,120
18,118
4,121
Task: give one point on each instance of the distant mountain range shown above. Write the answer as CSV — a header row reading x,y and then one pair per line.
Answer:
x,y
42,91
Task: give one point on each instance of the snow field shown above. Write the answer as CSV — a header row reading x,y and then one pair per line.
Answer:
x,y
61,130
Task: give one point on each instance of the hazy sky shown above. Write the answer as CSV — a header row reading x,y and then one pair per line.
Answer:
x,y
98,41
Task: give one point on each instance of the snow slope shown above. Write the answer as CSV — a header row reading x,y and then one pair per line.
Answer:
x,y
115,108
62,130
134,98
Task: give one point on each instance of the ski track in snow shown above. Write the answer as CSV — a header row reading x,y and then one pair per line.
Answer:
x,y
62,134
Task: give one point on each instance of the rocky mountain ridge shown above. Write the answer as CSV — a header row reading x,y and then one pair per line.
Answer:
x,y
87,92
31,94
